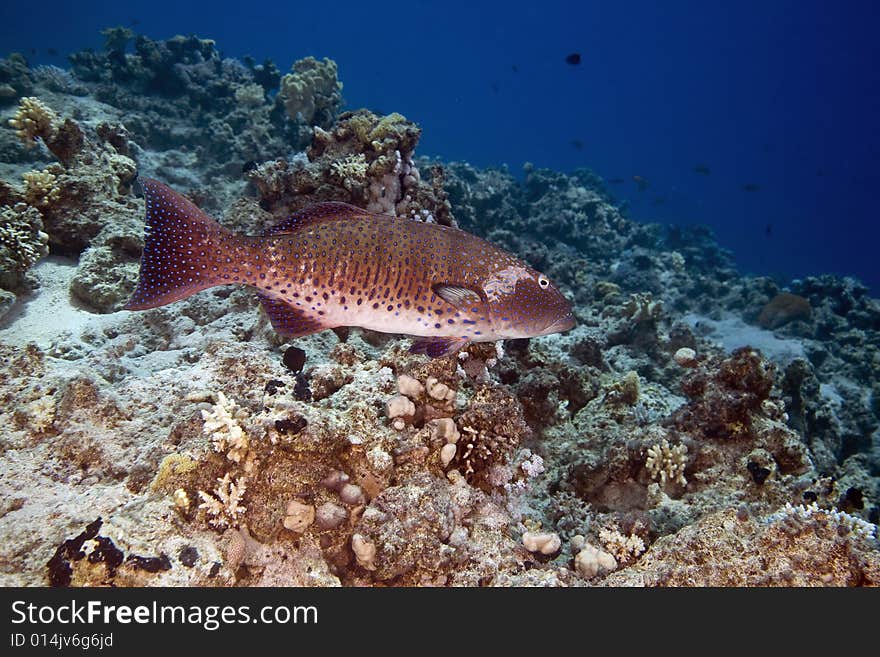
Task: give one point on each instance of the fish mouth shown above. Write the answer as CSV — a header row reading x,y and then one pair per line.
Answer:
x,y
562,324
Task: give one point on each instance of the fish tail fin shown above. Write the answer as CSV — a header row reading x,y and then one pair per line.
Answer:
x,y
181,247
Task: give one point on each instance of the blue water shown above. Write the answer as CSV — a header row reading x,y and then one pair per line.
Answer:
x,y
783,95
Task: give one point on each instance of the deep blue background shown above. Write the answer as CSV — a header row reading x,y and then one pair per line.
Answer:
x,y
781,94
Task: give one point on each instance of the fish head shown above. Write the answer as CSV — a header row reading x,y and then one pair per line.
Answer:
x,y
524,303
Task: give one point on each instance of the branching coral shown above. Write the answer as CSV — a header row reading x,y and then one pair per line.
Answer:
x,y
34,120
624,549
226,433
40,189
666,463
352,171
22,242
224,506
312,93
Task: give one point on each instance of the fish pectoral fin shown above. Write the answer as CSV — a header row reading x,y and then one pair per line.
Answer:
x,y
290,321
437,347
457,295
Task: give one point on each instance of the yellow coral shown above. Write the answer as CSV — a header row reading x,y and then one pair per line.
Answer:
x,y
39,188
172,468
351,171
33,119
311,91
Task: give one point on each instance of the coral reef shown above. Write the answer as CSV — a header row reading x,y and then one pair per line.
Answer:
x,y
365,160
698,427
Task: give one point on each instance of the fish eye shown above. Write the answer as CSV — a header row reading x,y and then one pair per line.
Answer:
x,y
543,282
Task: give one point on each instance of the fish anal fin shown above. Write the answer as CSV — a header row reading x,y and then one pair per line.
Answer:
x,y
290,321
315,214
437,346
459,296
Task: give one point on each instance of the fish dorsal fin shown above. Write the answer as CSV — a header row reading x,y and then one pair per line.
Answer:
x,y
316,214
457,295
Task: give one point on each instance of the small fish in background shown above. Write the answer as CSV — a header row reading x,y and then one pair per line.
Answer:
x,y
751,187
659,200
616,181
333,265
768,230
250,165
134,22
577,143
641,182
514,68
495,87
51,52
33,52
702,169
574,59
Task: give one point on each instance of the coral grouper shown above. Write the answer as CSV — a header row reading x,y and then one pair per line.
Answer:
x,y
333,264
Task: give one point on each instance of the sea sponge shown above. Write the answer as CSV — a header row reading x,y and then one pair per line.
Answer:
x,y
22,242
312,92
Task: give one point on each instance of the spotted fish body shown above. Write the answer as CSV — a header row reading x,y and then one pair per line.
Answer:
x,y
336,265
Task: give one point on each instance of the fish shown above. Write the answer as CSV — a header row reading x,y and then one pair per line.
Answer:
x,y
577,143
641,182
616,181
333,264
574,59
751,187
703,169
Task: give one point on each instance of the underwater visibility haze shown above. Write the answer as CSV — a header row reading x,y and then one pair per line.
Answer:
x,y
457,294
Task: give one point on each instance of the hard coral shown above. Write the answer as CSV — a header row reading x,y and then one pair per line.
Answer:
x,y
365,160
782,309
22,243
492,427
724,395
311,92
34,120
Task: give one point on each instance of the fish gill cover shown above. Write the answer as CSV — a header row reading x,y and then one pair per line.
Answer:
x,y
697,425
